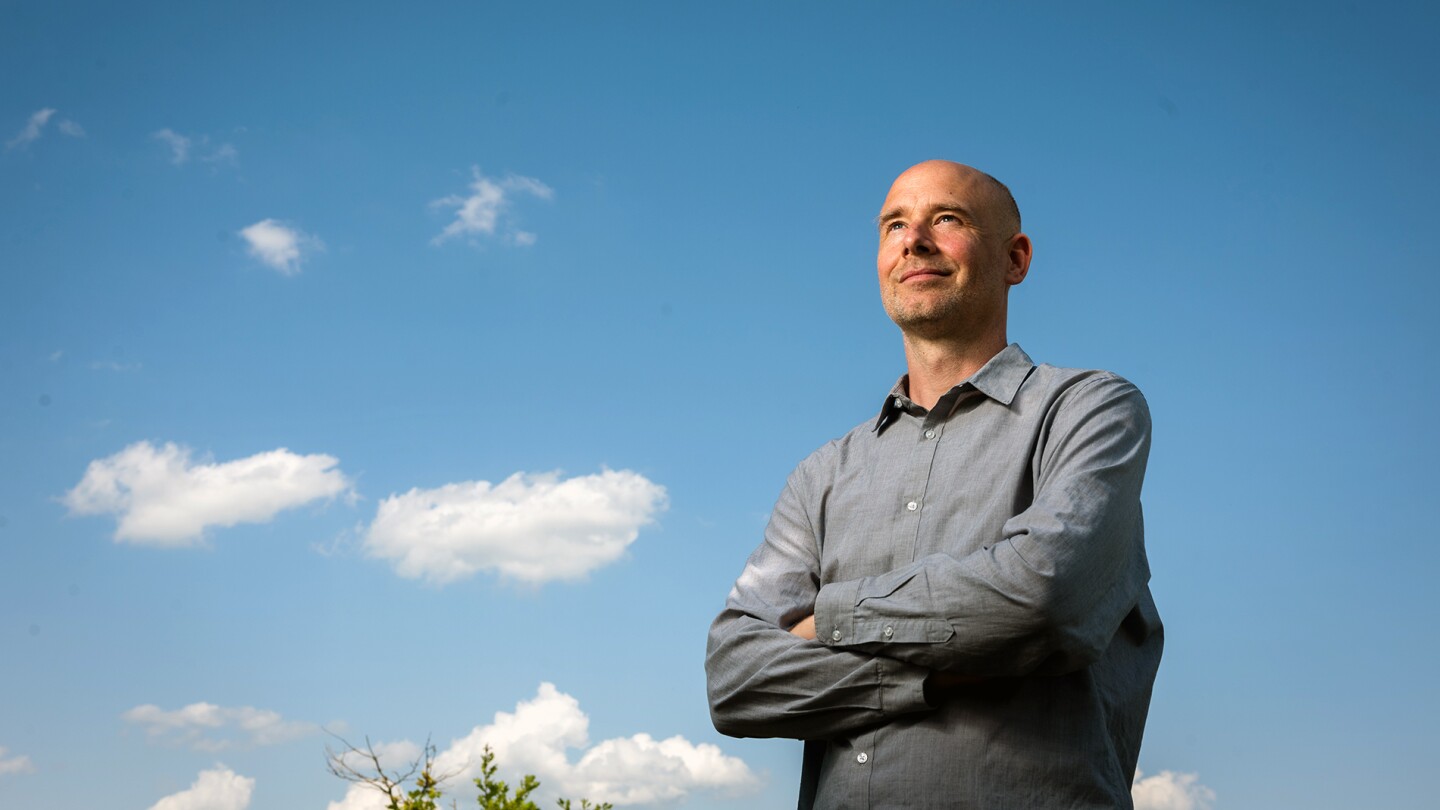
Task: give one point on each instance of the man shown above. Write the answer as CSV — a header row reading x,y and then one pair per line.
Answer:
x,y
951,604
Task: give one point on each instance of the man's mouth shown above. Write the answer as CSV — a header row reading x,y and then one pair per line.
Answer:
x,y
922,274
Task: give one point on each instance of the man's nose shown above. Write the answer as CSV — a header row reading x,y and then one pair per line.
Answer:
x,y
917,240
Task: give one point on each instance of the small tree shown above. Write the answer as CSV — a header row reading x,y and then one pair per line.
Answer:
x,y
372,773
494,793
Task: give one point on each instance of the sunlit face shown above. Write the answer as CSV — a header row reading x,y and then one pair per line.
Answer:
x,y
946,257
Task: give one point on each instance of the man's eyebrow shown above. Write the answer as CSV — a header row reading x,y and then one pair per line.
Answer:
x,y
947,207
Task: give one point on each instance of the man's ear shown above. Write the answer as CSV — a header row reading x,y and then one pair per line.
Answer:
x,y
1020,252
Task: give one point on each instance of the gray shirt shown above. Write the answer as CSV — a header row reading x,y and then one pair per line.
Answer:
x,y
997,535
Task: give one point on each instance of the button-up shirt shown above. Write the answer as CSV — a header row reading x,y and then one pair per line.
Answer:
x,y
995,538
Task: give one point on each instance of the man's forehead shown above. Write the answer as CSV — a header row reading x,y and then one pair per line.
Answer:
x,y
937,184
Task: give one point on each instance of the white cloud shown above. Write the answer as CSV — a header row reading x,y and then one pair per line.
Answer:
x,y
14,764
534,528
32,129
216,789
480,212
624,770
1168,790
360,797
279,246
161,498
224,153
35,127
182,147
179,144
207,727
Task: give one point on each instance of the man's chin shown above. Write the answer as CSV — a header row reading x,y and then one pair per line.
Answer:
x,y
926,322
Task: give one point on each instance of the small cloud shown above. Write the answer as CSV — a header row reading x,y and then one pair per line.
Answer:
x,y
279,246
484,210
183,147
14,764
161,498
224,153
57,355
179,144
1168,790
534,528
32,130
217,789
207,727
111,365
344,542
68,127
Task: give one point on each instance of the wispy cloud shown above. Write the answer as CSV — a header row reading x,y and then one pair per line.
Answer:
x,y
537,738
179,144
484,211
14,764
216,789
161,498
1168,790
531,527
279,246
184,147
207,727
112,365
224,153
32,129
35,127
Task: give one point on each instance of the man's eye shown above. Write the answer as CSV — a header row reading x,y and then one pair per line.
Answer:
x,y
947,218
894,226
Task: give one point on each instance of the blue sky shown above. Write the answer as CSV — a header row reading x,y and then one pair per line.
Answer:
x,y
370,368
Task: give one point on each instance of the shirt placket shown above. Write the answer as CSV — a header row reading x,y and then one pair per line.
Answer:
x,y
929,432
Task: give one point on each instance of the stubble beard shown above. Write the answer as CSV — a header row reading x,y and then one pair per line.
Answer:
x,y
931,318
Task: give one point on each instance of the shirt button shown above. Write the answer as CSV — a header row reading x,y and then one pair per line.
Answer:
x,y
912,506
862,758
929,434
835,636
889,631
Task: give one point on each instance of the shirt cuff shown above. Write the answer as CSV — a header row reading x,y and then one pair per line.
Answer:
x,y
835,613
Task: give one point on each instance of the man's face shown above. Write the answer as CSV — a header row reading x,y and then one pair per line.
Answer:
x,y
947,252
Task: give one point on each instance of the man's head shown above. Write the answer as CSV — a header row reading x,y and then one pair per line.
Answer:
x,y
950,249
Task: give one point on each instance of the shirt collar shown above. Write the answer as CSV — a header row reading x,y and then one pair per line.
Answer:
x,y
1000,379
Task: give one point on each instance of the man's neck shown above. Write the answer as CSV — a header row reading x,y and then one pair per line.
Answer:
x,y
936,366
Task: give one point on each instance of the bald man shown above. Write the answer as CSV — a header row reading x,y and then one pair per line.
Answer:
x,y
951,603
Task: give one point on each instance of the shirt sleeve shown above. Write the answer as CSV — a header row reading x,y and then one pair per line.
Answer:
x,y
1050,594
765,682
